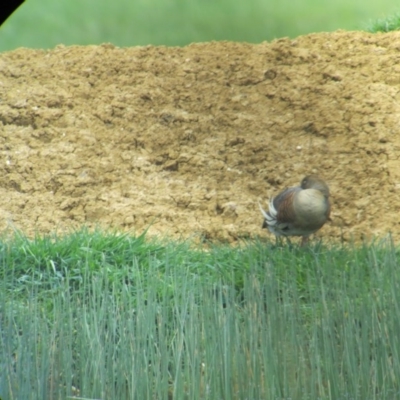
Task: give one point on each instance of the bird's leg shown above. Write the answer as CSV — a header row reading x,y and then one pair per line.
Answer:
x,y
289,242
278,241
304,240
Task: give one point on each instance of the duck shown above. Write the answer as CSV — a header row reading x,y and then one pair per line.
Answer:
x,y
300,210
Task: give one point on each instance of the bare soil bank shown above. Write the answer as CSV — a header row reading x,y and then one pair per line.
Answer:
x,y
189,139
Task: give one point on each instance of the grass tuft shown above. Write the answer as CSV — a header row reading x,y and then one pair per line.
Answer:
x,y
388,24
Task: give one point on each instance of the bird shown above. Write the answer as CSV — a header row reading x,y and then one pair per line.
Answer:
x,y
300,210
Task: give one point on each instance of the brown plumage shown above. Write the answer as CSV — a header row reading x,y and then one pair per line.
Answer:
x,y
300,210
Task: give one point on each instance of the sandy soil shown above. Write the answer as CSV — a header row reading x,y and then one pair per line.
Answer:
x,y
189,139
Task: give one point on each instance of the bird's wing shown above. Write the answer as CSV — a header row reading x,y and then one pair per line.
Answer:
x,y
282,205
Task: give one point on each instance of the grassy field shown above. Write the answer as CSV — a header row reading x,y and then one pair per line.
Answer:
x,y
106,316
47,23
96,315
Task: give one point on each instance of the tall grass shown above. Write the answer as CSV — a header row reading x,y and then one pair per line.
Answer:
x,y
47,23
163,320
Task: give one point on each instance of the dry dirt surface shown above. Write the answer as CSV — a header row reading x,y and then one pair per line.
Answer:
x,y
188,140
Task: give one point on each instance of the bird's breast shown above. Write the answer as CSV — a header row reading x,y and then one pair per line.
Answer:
x,y
311,208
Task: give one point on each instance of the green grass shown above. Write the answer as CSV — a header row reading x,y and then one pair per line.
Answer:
x,y
100,315
388,24
47,23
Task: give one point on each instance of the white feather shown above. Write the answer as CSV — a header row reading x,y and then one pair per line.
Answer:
x,y
273,213
270,216
263,212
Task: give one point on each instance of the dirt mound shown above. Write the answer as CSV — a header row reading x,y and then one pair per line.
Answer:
x,y
189,139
